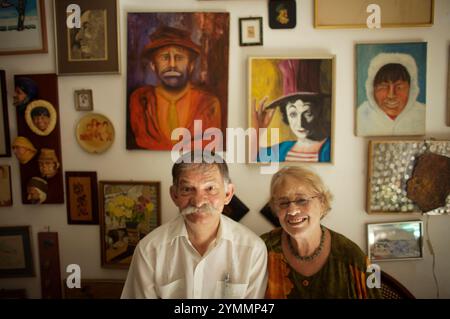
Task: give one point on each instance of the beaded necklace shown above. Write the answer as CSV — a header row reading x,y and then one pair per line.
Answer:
x,y
315,253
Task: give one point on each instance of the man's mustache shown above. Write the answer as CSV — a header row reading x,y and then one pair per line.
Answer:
x,y
172,72
205,208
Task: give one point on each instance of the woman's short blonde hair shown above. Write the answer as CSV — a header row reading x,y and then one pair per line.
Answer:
x,y
303,176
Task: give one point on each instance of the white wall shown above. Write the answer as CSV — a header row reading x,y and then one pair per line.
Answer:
x,y
346,178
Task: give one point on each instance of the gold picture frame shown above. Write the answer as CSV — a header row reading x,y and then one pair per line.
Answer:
x,y
332,14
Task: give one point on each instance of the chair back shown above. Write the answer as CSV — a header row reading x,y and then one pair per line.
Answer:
x,y
391,288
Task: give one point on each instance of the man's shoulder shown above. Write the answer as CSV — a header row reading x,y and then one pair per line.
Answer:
x,y
203,94
142,90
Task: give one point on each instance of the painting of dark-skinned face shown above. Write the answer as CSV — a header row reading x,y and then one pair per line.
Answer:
x,y
429,185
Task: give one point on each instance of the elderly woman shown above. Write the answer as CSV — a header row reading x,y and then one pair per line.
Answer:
x,y
306,259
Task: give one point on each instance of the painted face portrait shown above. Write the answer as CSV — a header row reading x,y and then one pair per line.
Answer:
x,y
37,189
173,66
23,149
48,163
391,88
89,40
41,118
25,91
299,116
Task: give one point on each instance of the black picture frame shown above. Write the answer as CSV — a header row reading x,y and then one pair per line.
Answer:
x,y
250,31
5,143
9,237
282,14
235,209
266,211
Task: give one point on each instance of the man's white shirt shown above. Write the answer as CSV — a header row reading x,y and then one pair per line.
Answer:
x,y
166,265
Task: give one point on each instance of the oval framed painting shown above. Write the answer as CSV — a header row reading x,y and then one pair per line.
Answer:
x,y
95,133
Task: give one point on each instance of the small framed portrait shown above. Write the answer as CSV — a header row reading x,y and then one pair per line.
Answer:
x,y
235,209
84,100
95,133
395,241
16,259
250,31
5,186
128,212
82,198
41,117
92,46
282,14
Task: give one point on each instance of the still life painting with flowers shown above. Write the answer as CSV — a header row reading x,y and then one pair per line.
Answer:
x,y
129,211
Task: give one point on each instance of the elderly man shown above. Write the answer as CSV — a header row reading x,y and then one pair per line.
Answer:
x,y
156,111
201,253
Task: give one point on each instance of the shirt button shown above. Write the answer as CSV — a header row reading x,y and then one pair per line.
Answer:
x,y
305,283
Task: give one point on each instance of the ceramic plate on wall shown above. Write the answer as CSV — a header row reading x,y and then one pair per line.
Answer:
x,y
95,133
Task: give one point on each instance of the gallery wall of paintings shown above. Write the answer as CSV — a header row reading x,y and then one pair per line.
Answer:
x,y
83,153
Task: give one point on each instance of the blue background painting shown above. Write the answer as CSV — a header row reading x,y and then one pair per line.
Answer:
x,y
11,12
366,52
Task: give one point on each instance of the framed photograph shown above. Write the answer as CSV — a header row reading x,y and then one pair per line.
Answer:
x,y
82,198
235,209
408,176
283,90
250,31
377,112
266,211
84,100
16,259
395,241
202,39
22,27
128,212
95,133
91,48
353,13
5,144
5,186
282,14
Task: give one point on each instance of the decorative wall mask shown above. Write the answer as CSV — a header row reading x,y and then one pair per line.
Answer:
x,y
37,189
41,117
48,163
23,149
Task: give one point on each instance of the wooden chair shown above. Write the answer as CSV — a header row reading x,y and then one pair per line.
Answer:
x,y
393,289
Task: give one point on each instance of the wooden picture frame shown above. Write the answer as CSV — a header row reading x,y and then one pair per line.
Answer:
x,y
82,198
391,165
129,210
278,85
32,37
5,143
395,241
96,54
16,259
235,209
373,114
6,198
330,14
250,31
83,100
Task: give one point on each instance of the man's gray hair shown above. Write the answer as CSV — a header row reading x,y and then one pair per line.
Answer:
x,y
200,159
